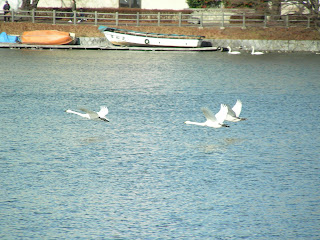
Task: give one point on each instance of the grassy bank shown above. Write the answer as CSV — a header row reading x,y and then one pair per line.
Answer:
x,y
82,30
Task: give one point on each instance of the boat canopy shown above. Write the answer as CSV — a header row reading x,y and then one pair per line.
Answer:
x,y
5,38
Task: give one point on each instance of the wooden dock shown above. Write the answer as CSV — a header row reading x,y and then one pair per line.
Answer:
x,y
87,47
40,47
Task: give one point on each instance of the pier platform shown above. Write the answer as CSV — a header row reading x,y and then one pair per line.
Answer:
x,y
92,47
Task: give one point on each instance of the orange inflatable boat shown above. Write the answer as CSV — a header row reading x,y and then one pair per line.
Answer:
x,y
46,37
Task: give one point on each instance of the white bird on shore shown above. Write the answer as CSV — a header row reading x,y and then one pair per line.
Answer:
x,y
214,121
234,113
101,115
255,53
231,52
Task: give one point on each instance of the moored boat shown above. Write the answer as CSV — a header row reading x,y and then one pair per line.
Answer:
x,y
122,37
47,37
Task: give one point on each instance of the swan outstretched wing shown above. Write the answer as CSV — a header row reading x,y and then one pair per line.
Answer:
x,y
214,121
208,114
103,111
237,108
231,112
92,114
222,114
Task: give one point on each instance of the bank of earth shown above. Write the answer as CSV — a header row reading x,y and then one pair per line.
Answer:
x,y
85,30
268,39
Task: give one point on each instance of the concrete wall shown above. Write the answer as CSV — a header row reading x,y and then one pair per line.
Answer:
x,y
270,45
215,14
164,4
260,45
93,41
80,3
145,4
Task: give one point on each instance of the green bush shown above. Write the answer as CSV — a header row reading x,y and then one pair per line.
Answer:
x,y
203,3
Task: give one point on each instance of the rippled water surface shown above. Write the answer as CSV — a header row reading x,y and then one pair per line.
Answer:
x,y
147,175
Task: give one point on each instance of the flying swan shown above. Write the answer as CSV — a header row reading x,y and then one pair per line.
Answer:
x,y
234,113
255,53
230,51
214,121
101,115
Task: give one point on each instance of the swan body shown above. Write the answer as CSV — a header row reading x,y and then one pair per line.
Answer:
x,y
231,52
255,53
101,115
214,121
234,113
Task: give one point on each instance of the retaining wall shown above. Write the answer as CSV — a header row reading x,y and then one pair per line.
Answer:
x,y
93,41
270,45
265,45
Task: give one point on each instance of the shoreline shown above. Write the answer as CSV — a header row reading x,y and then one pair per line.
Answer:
x,y
270,45
254,33
101,43
244,44
264,39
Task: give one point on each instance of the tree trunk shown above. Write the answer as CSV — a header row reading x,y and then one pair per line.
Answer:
x,y
313,7
35,3
27,5
276,9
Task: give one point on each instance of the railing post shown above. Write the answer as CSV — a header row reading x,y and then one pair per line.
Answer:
x,y
180,19
222,21
12,16
308,23
287,21
33,17
201,20
95,18
265,20
159,19
244,21
54,17
138,18
117,18
74,17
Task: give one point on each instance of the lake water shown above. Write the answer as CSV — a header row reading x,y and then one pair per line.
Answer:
x,y
146,174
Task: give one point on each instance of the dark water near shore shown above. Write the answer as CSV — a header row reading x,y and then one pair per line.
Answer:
x,y
147,175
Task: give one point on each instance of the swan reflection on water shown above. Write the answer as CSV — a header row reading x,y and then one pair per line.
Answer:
x,y
91,140
220,147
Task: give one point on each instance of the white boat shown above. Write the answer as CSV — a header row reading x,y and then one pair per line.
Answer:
x,y
122,37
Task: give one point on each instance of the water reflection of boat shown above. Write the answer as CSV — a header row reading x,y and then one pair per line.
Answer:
x,y
122,37
47,37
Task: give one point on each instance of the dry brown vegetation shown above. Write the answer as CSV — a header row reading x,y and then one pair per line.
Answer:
x,y
238,33
79,30
83,30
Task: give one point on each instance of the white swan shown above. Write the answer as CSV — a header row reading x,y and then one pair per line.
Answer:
x,y
214,121
92,115
230,51
255,53
234,113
